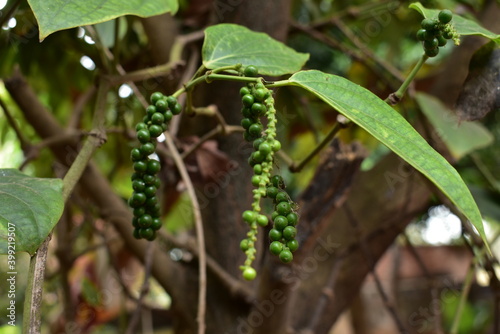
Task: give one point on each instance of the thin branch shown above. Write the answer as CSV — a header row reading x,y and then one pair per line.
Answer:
x,y
394,98
234,286
147,73
79,105
227,130
92,32
12,122
188,73
463,298
32,314
294,167
199,232
366,51
144,289
365,250
33,151
181,42
432,283
91,144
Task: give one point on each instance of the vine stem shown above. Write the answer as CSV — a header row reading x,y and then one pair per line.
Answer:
x,y
212,77
394,98
202,261
463,298
33,296
298,167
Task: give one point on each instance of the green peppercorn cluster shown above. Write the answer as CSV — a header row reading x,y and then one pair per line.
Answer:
x,y
283,233
145,182
258,102
436,32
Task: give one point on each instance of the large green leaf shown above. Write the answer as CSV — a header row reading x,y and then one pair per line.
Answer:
x,y
231,44
55,15
30,208
462,25
384,123
460,137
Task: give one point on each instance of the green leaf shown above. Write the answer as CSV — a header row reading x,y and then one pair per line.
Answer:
x,y
55,15
231,44
460,138
462,25
384,123
30,209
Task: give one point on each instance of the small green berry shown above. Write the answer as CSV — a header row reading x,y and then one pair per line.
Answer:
x,y
176,109
150,191
278,181
161,106
275,234
257,142
282,196
171,101
247,100
255,180
244,91
429,24
138,212
138,185
292,245
155,97
148,233
153,166
255,129
445,16
431,44
249,216
246,122
257,169
157,118
244,245
168,115
155,130
140,166
293,218
143,136
283,208
136,155
157,224
262,220
141,126
151,202
147,148
271,192
432,52
280,222
149,179
251,71
137,199
441,40
276,146
421,34
145,221
261,94
289,232
249,274
258,109
276,247
265,148
286,256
